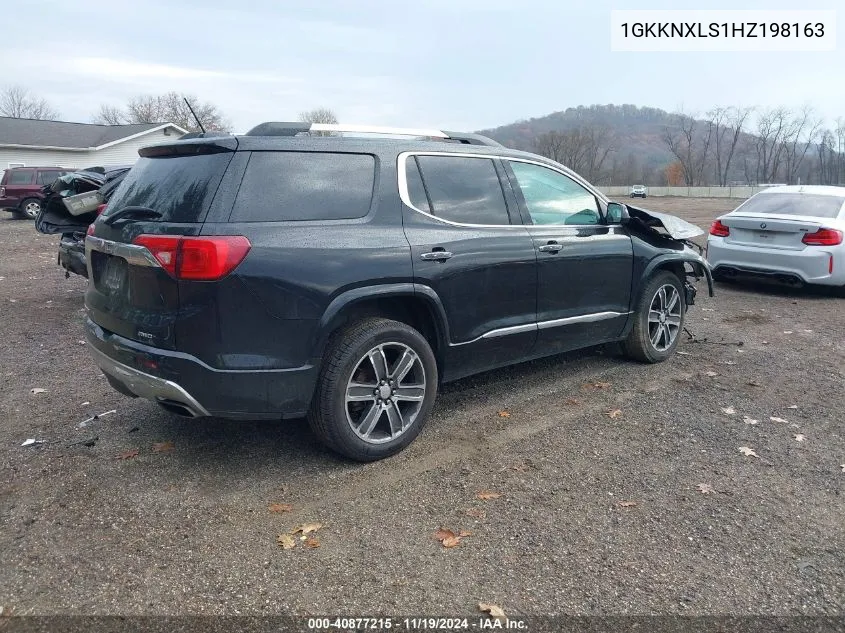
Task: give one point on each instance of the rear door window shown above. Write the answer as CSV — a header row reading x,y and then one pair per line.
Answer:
x,y
20,177
464,189
285,186
48,177
180,187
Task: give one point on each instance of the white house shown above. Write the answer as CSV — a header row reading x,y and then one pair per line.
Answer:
x,y
33,143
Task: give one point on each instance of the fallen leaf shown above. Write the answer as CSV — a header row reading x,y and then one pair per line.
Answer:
x,y
450,542
84,404
493,610
711,374
628,504
614,413
730,362
130,454
442,534
278,508
747,451
521,468
683,353
312,542
792,406
708,309
775,419
765,342
486,495
799,437
728,410
807,331
572,401
307,528
705,489
748,420
753,383
601,385
163,447
476,513
37,390
31,442
504,414
464,533
286,541
787,331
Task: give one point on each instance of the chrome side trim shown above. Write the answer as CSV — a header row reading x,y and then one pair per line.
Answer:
x,y
402,182
133,253
147,386
584,318
543,325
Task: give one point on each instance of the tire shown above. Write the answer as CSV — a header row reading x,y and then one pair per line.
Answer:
x,y
640,344
29,209
347,426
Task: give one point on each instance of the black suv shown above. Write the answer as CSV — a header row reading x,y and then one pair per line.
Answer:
x,y
284,273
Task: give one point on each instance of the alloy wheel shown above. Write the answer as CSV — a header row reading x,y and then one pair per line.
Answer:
x,y
385,392
664,317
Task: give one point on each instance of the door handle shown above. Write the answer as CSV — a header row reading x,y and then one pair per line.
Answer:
x,y
551,247
436,256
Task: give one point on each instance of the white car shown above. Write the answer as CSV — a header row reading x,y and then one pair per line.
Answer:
x,y
792,235
639,191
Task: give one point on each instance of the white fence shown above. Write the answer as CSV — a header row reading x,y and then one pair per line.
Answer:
x,y
686,192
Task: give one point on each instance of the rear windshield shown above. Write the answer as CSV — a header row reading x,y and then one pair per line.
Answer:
x,y
806,204
179,187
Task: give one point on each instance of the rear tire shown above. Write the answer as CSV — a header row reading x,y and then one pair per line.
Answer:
x,y
376,387
658,320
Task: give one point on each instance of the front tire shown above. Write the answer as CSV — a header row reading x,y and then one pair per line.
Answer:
x,y
29,209
376,388
658,320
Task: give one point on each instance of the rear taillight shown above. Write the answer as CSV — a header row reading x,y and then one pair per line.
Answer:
x,y
823,237
196,258
90,230
719,230
101,208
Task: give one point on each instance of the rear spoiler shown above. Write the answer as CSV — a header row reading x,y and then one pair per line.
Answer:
x,y
191,146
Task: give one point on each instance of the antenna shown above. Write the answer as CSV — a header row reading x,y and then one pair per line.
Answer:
x,y
196,118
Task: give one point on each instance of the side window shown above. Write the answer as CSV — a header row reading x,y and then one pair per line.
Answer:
x,y
465,190
416,189
552,198
280,186
20,177
47,177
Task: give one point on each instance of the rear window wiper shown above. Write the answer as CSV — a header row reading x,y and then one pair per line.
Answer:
x,y
132,213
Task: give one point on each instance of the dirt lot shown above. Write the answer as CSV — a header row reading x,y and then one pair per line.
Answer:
x,y
596,514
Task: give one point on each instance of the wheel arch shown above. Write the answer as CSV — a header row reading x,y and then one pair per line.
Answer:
x,y
417,306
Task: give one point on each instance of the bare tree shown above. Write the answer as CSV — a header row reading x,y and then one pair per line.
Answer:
x,y
690,145
165,108
772,127
802,132
19,103
318,115
583,149
728,123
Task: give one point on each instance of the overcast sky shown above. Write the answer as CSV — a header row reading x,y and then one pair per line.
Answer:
x,y
454,64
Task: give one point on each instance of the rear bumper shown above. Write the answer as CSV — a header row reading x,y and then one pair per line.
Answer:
x,y
810,265
72,257
184,384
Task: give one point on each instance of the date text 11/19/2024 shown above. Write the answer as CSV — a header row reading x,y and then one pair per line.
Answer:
x,y
417,624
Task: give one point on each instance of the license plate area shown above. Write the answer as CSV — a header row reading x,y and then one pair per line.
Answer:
x,y
111,274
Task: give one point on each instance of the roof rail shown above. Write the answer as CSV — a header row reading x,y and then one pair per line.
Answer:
x,y
272,128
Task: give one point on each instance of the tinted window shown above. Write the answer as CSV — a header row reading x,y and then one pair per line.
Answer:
x,y
552,198
416,190
179,187
465,190
20,177
47,177
806,204
305,186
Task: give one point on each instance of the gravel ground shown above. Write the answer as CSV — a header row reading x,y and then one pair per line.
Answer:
x,y
597,515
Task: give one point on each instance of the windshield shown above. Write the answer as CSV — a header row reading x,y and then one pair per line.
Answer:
x,y
804,204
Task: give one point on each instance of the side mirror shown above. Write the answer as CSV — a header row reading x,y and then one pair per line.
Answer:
x,y
617,213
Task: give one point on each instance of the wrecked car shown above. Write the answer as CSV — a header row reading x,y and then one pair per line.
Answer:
x,y
71,203
273,275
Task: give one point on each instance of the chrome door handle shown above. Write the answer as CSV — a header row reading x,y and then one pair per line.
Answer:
x,y
551,247
436,256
